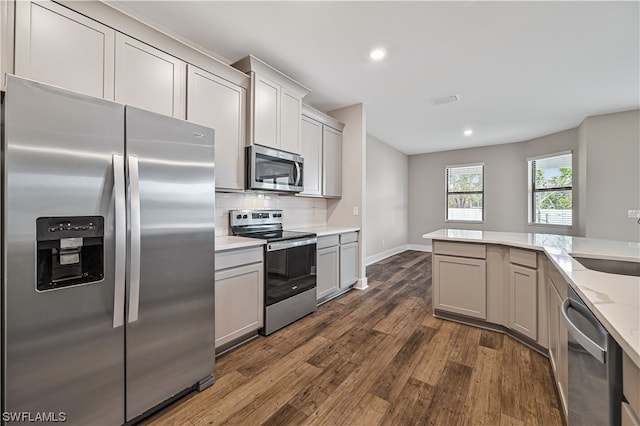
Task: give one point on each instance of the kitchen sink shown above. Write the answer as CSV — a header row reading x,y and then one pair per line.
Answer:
x,y
619,267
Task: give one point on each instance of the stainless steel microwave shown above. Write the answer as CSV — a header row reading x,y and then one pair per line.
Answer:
x,y
270,169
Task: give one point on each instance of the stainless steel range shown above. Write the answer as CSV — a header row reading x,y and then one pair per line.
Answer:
x,y
290,266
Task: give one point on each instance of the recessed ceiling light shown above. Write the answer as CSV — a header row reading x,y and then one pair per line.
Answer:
x,y
468,132
378,53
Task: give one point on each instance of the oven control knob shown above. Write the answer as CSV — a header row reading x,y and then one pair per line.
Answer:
x,y
239,216
244,216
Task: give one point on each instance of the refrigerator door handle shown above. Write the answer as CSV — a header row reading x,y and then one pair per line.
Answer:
x,y
121,240
134,270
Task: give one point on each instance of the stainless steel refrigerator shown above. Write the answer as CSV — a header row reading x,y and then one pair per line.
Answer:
x,y
108,242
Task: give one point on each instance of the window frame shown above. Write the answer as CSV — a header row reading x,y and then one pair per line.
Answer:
x,y
532,191
447,193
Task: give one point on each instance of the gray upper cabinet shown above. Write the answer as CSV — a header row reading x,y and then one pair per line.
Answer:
x,y
332,162
63,48
149,79
311,151
321,149
275,106
217,103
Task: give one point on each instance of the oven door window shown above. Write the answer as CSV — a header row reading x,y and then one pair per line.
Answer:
x,y
289,272
277,171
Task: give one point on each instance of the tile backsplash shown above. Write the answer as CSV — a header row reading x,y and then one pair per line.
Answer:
x,y
299,212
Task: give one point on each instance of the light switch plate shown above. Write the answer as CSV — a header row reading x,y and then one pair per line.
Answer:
x,y
633,214
355,211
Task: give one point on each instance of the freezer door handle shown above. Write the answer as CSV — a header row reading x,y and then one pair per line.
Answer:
x,y
134,255
121,240
597,351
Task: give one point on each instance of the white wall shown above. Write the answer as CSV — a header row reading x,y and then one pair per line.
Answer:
x,y
387,201
610,151
340,212
506,187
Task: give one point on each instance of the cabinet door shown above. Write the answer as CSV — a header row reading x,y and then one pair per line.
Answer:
x,y
331,162
328,277
148,78
266,112
348,264
239,295
523,300
460,285
290,121
312,154
216,103
558,346
57,46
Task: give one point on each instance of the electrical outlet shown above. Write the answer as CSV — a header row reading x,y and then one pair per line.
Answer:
x,y
355,211
633,214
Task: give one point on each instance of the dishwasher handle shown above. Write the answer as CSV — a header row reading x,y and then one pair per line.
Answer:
x,y
597,351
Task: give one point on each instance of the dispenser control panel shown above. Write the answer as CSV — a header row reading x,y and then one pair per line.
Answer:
x,y
70,251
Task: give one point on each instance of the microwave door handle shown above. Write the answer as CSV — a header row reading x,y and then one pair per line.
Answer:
x,y
298,173
120,240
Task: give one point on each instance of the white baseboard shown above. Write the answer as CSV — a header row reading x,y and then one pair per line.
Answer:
x,y
392,252
361,284
383,255
420,247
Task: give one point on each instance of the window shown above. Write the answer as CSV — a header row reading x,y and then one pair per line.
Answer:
x,y
465,193
551,190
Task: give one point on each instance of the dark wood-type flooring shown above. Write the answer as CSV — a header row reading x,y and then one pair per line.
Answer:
x,y
377,357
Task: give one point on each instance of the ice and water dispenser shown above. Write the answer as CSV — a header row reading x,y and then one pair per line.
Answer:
x,y
70,251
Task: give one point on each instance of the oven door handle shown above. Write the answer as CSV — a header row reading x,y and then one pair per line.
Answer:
x,y
283,245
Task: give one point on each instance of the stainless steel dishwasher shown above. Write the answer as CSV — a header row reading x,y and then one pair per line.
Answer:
x,y
595,367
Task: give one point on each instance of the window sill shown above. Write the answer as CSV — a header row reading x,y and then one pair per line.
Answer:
x,y
550,225
463,221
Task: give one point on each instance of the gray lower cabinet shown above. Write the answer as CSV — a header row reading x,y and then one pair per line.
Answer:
x,y
337,264
523,292
460,285
328,272
631,392
239,295
348,259
558,346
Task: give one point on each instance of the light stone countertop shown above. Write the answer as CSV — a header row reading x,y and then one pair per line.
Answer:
x,y
614,299
230,242
323,231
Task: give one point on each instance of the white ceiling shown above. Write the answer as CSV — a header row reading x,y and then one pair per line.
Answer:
x,y
521,69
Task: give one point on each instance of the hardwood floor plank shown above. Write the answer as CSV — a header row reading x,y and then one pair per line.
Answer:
x,y
391,382
448,400
411,405
369,411
268,403
481,406
376,356
286,415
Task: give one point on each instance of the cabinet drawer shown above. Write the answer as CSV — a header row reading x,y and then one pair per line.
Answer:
x,y
478,251
233,258
350,237
523,257
328,241
631,383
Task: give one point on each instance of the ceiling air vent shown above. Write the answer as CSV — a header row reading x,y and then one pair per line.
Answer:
x,y
445,100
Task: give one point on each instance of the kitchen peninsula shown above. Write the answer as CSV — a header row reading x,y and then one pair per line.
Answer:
x,y
517,283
